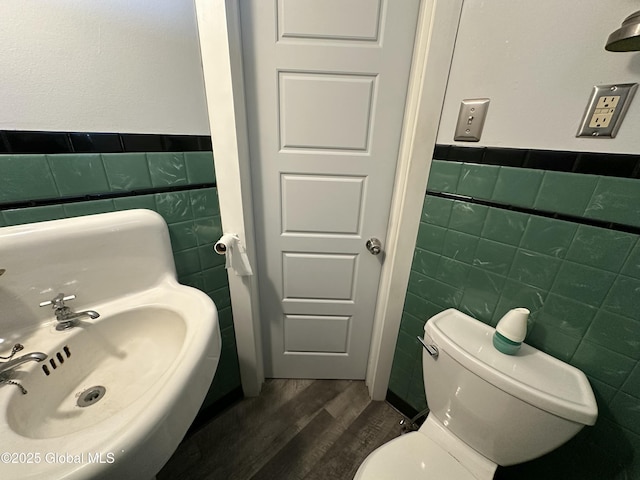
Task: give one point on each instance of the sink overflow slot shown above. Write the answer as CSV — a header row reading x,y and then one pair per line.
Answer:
x,y
52,361
91,395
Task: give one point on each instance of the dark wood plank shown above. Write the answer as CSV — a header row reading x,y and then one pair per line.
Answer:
x,y
295,430
230,427
255,443
292,461
349,404
377,424
300,455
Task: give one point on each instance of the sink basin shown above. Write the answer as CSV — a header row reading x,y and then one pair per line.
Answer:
x,y
116,394
127,354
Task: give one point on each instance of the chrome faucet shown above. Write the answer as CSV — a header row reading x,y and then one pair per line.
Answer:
x,y
6,368
16,362
66,317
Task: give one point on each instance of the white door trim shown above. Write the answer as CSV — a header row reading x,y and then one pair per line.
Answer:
x,y
220,44
220,48
433,52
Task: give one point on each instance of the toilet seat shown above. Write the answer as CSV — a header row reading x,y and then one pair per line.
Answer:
x,y
413,456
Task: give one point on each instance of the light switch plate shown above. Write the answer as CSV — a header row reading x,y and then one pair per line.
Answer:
x,y
471,119
606,109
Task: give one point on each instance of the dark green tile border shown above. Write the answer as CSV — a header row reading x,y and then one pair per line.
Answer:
x,y
606,164
18,141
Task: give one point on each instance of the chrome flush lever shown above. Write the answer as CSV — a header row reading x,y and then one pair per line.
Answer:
x,y
431,349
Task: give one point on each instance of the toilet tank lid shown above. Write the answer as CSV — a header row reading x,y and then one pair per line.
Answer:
x,y
531,375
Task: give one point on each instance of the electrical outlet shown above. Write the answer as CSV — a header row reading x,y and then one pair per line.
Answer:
x,y
606,109
601,120
608,101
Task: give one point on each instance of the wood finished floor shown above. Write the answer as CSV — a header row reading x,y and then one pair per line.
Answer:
x,y
295,430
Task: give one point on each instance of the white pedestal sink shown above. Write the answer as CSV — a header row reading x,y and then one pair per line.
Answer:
x,y
117,393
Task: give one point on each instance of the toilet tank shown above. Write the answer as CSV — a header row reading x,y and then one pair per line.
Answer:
x,y
510,408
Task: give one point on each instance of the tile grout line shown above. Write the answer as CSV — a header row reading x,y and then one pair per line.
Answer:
x,y
540,213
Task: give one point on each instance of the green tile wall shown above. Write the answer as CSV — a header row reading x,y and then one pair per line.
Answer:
x,y
193,216
581,283
612,199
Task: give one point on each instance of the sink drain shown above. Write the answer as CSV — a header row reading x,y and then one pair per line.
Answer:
x,y
91,395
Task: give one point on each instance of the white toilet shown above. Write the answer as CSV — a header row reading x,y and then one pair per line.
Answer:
x,y
487,408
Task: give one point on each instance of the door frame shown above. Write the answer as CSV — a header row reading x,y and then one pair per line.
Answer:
x,y
221,51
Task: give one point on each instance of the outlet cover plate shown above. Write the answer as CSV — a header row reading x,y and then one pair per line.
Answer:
x,y
606,109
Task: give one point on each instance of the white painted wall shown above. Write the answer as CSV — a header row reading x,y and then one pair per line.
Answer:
x,y
538,60
101,65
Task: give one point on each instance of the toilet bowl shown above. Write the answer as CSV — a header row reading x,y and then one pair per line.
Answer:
x,y
486,408
431,453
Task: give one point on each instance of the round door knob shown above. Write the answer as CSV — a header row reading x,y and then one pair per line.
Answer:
x,y
374,246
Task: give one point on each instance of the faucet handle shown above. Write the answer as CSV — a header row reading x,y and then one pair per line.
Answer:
x,y
16,348
58,301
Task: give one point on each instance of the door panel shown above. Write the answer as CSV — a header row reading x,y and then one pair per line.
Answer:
x,y
301,272
325,87
322,204
325,111
316,334
317,19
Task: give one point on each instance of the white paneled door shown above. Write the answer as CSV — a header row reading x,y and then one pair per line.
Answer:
x,y
325,83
